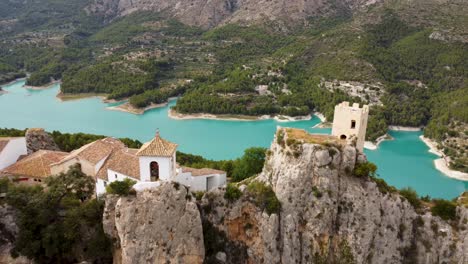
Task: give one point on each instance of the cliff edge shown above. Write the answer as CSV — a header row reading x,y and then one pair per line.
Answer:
x,y
307,206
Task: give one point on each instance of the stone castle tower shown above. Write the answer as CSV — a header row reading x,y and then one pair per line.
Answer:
x,y
351,122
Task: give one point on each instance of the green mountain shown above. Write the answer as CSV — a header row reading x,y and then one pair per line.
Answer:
x,y
409,60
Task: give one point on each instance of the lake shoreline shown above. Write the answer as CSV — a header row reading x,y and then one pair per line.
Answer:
x,y
72,97
178,116
404,128
43,87
370,145
442,163
128,108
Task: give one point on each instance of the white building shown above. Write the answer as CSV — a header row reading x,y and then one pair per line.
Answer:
x,y
108,160
11,149
350,123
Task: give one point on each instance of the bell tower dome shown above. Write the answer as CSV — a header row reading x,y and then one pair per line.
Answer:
x,y
157,160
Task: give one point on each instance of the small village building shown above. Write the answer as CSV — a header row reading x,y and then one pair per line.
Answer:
x,y
34,168
91,157
108,160
11,149
155,161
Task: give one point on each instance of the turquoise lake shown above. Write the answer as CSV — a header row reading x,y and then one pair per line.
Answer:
x,y
402,162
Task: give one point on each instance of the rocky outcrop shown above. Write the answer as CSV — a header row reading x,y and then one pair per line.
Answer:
x,y
38,139
8,234
161,225
329,216
208,14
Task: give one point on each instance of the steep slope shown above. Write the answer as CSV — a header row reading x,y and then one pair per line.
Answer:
x,y
207,14
327,214
157,226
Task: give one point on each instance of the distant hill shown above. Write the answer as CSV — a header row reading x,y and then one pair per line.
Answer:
x,y
210,13
288,57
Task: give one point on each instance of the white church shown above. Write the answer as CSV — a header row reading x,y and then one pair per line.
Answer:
x,y
109,160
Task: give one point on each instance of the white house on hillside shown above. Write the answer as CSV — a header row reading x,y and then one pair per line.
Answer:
x,y
155,161
11,149
108,160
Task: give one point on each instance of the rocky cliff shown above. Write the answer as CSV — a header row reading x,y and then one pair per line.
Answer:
x,y
8,233
327,215
38,139
156,226
209,13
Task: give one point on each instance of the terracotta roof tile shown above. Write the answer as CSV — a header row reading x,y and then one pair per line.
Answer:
x,y
202,172
35,165
123,161
95,151
158,147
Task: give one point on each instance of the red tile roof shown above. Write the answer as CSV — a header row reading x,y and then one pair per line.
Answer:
x,y
158,147
122,161
35,165
95,151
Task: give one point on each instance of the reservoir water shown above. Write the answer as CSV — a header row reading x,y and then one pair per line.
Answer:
x,y
402,162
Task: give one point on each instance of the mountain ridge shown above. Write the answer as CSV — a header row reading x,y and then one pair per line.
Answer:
x,y
208,14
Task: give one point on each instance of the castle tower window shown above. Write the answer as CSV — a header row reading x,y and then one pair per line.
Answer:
x,y
154,169
353,124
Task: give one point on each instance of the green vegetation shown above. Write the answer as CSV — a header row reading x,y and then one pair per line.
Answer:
x,y
249,164
148,58
61,223
232,192
122,188
118,79
383,186
366,169
411,196
264,197
447,210
68,142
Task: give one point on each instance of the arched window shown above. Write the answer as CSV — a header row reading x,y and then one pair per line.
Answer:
x,y
154,171
343,137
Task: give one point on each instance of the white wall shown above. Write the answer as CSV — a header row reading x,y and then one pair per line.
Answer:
x,y
100,187
343,116
99,165
166,168
112,176
199,183
12,151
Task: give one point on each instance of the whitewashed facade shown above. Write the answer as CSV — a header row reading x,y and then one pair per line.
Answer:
x,y
12,150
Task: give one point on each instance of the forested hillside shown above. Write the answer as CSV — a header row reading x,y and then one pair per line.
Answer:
x,y
408,60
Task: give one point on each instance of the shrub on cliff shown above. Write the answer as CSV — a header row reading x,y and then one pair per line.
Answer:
x,y
446,210
232,192
365,169
120,187
412,197
264,197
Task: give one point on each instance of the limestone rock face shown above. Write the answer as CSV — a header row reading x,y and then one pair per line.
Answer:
x,y
327,216
161,225
8,234
37,139
210,13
